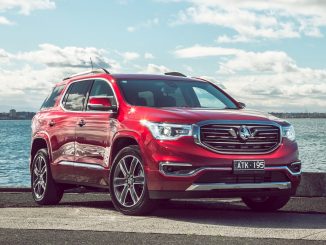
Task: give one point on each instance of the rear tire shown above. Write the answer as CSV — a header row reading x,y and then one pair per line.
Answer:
x,y
128,183
45,190
268,204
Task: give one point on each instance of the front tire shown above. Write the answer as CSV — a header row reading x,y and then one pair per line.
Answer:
x,y
128,183
44,189
267,204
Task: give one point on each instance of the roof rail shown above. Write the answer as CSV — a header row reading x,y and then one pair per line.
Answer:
x,y
100,70
201,78
175,73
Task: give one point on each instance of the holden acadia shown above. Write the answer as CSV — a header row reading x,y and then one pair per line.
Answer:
x,y
147,138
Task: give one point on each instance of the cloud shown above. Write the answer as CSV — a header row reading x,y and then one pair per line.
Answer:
x,y
271,80
27,77
132,56
268,61
256,19
147,24
155,69
26,6
241,60
4,56
233,39
148,56
54,56
203,51
299,90
283,86
25,88
25,84
5,21
129,56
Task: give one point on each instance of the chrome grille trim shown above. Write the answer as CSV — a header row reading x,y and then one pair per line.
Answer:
x,y
228,135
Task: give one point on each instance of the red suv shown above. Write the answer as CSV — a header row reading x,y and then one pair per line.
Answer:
x,y
151,137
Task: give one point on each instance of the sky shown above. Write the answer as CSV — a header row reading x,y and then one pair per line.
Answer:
x,y
270,55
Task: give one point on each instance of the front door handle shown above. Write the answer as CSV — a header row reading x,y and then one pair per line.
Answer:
x,y
81,122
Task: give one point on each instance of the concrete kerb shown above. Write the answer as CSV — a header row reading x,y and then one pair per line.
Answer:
x,y
312,185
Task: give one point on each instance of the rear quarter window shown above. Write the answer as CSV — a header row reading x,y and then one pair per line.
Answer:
x,y
50,101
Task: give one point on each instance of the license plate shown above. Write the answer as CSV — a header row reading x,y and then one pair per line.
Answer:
x,y
248,166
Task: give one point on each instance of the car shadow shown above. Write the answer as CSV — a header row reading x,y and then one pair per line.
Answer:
x,y
238,215
298,214
222,212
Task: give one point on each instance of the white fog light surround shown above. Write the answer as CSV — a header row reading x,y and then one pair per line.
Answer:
x,y
167,131
288,132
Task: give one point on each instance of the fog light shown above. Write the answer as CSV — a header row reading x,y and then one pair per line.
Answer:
x,y
177,169
295,167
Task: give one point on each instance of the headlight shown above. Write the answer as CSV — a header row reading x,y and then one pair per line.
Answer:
x,y
288,132
166,131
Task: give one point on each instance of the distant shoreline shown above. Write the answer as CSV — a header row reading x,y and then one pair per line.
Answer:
x,y
17,115
289,115
274,114
284,115
16,119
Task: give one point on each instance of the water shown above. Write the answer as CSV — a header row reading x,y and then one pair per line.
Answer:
x,y
14,153
15,147
311,138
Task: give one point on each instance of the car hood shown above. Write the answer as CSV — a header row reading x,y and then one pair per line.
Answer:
x,y
192,115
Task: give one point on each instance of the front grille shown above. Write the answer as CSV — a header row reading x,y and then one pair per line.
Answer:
x,y
226,139
230,178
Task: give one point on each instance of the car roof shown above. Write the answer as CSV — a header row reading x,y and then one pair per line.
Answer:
x,y
134,76
152,77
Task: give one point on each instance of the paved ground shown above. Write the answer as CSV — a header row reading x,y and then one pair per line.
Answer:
x,y
26,237
210,221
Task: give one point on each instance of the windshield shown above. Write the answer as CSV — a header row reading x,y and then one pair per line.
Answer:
x,y
168,93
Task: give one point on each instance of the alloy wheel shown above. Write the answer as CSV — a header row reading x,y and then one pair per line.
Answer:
x,y
129,181
39,177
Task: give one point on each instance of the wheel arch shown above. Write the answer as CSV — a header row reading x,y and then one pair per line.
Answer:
x,y
121,142
37,144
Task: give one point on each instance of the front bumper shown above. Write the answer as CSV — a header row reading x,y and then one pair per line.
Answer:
x,y
215,182
229,193
221,182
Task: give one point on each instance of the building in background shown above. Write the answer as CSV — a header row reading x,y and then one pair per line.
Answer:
x,y
16,115
12,113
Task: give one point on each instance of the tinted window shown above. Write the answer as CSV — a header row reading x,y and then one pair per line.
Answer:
x,y
75,99
208,100
146,98
101,88
49,102
167,93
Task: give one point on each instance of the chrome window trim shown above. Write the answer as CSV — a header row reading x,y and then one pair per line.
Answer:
x,y
85,111
240,186
200,169
196,134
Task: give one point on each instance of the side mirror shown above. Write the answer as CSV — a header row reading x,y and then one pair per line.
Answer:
x,y
100,104
242,105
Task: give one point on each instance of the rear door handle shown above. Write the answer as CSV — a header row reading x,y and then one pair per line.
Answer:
x,y
51,123
81,122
